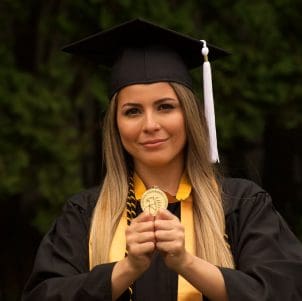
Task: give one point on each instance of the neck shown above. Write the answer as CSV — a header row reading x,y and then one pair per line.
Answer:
x,y
166,178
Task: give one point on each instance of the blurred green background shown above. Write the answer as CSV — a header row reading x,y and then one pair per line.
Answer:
x,y
51,105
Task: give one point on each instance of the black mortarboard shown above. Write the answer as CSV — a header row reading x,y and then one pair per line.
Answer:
x,y
142,52
139,52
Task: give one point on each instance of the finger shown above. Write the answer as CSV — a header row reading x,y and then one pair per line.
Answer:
x,y
170,247
166,224
141,226
163,235
170,235
142,237
140,249
143,217
164,214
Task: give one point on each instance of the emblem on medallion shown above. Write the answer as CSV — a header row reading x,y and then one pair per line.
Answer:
x,y
153,199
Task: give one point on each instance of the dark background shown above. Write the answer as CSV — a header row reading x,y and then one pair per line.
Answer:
x,y
51,106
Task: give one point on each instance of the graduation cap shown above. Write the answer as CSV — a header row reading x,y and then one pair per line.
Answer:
x,y
141,52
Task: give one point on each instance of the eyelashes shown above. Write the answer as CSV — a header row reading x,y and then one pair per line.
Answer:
x,y
135,111
131,112
166,106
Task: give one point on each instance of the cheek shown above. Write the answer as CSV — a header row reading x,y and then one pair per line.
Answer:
x,y
128,133
179,129
182,138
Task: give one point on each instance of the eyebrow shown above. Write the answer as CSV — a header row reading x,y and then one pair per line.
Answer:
x,y
130,103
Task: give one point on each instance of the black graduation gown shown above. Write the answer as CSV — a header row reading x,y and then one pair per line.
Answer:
x,y
267,255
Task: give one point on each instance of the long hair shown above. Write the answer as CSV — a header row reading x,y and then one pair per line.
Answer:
x,y
208,214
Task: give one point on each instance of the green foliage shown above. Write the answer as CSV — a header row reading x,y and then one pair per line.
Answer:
x,y
39,151
260,78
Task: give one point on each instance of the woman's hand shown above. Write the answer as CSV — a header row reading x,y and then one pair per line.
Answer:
x,y
140,240
170,239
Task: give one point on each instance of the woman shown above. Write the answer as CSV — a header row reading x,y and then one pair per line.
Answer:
x,y
219,239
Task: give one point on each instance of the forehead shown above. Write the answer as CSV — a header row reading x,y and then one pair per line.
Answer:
x,y
141,92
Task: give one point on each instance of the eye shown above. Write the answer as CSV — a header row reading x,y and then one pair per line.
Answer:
x,y
165,107
132,112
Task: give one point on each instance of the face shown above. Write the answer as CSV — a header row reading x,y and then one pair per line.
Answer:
x,y
151,124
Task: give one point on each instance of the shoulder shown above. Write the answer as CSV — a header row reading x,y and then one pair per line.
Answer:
x,y
240,187
85,200
237,193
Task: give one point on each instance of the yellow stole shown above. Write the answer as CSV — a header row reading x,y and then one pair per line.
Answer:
x,y
186,292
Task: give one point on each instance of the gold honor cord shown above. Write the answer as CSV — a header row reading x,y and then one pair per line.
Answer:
x,y
131,214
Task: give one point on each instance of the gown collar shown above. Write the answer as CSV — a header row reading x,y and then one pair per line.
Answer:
x,y
183,191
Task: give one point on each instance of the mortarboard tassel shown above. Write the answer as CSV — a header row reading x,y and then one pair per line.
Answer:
x,y
209,104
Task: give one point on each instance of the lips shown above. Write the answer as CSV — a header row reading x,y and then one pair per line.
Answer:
x,y
153,143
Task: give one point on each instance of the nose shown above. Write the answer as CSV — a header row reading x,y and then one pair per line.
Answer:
x,y
151,122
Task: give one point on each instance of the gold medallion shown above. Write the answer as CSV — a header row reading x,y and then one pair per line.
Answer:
x,y
154,199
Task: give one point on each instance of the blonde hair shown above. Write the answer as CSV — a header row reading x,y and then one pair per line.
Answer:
x,y
209,221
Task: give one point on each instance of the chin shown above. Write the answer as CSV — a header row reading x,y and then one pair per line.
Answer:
x,y
156,162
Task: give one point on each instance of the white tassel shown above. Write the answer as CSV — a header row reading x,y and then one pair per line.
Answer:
x,y
209,104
